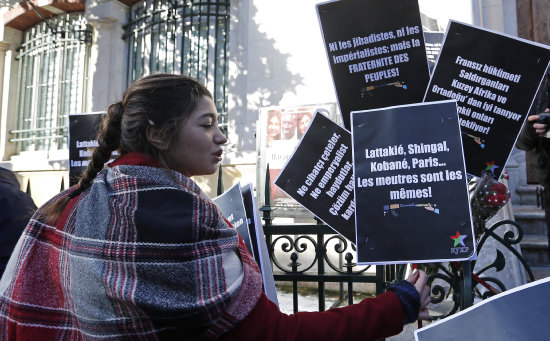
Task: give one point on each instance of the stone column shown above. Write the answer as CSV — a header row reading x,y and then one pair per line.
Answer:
x,y
4,88
108,63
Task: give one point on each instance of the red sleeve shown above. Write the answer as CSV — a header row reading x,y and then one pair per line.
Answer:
x,y
371,319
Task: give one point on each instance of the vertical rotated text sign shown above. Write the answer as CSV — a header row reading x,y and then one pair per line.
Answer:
x,y
231,205
258,243
411,192
494,79
82,139
433,41
319,175
376,53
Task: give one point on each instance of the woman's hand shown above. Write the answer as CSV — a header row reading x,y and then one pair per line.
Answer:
x,y
419,279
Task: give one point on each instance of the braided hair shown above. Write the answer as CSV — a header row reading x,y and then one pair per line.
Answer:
x,y
162,102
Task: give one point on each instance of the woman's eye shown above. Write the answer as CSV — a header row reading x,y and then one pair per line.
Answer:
x,y
208,125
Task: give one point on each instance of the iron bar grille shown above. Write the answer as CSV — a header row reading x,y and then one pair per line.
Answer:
x,y
302,252
53,76
188,37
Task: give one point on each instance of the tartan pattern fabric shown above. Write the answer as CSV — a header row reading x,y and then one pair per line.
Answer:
x,y
141,254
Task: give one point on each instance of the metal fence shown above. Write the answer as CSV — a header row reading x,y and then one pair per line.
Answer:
x,y
53,68
455,282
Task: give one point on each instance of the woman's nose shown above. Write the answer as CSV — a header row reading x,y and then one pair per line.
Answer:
x,y
220,137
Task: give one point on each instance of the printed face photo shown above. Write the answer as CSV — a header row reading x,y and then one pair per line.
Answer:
x,y
289,125
274,124
303,122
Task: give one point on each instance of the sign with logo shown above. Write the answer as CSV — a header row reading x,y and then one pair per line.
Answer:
x,y
411,194
494,79
458,244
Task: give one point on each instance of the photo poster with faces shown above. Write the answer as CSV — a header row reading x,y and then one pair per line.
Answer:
x,y
520,313
433,41
319,175
232,208
280,128
82,141
376,53
411,193
258,242
494,79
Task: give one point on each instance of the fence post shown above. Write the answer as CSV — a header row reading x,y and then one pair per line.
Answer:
x,y
266,208
220,181
467,299
321,269
349,267
294,265
380,283
28,191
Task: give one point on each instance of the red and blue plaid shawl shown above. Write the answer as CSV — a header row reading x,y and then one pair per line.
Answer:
x,y
141,254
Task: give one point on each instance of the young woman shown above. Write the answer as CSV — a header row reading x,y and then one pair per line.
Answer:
x,y
136,251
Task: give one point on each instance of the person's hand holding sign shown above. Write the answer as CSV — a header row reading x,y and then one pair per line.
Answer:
x,y
419,279
540,122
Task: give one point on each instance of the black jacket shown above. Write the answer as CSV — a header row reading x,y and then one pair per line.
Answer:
x,y
529,140
16,208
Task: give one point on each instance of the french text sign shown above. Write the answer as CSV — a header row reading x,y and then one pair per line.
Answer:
x,y
410,185
376,53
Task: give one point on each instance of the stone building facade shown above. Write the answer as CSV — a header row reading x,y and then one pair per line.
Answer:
x,y
59,57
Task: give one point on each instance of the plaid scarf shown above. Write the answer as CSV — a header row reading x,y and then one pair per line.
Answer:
x,y
141,254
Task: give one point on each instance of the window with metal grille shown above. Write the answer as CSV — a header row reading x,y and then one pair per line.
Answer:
x,y
188,37
53,74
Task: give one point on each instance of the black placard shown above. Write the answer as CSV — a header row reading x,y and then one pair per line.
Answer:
x,y
258,242
319,175
410,185
232,207
376,53
433,41
494,78
82,139
238,206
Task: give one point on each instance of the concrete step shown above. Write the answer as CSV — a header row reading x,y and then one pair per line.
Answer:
x,y
528,194
531,218
534,249
540,272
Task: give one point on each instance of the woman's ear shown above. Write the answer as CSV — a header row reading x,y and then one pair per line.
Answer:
x,y
155,138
